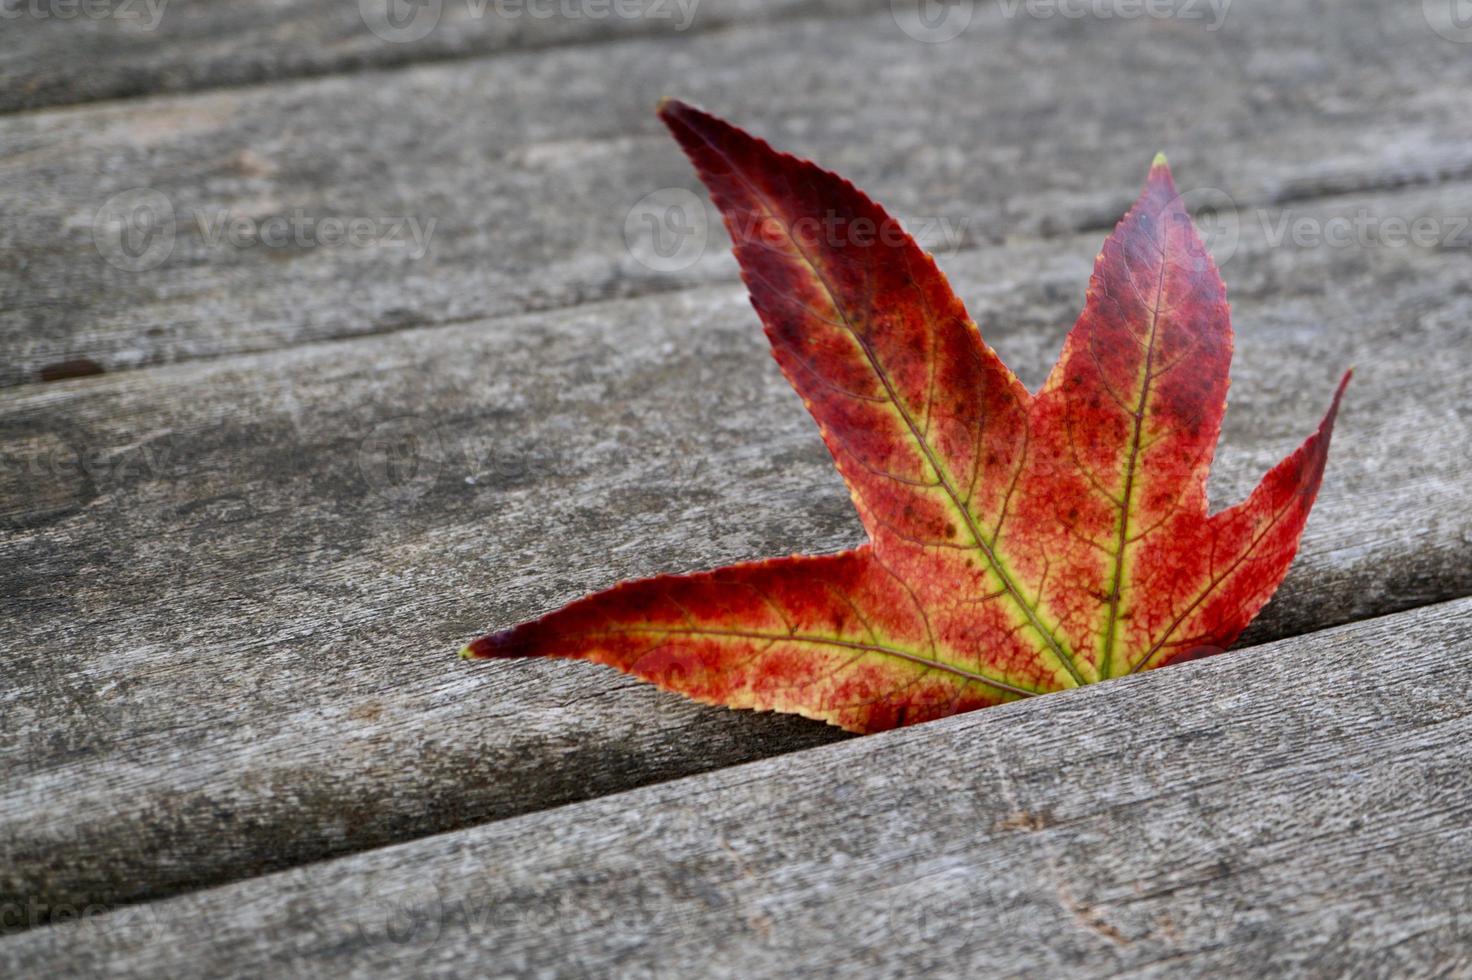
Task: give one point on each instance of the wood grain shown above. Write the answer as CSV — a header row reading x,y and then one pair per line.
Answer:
x,y
52,55
521,173
239,584
1303,808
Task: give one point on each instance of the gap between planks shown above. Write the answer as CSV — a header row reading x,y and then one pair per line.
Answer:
x,y
1306,193
1288,782
398,57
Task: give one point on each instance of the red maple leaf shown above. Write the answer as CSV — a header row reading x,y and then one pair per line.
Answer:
x,y
1018,543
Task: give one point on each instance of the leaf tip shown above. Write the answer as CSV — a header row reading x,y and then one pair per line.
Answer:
x,y
670,108
488,647
1160,180
1339,393
511,644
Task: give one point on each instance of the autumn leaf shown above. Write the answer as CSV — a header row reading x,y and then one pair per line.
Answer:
x,y
1018,543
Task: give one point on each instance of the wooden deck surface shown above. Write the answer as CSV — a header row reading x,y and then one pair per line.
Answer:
x,y
237,559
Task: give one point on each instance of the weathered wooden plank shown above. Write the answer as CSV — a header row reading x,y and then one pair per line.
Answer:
x,y
496,186
59,53
235,588
1303,808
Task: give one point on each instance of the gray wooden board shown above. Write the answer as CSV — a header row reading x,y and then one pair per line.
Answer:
x,y
232,590
1299,809
52,53
499,185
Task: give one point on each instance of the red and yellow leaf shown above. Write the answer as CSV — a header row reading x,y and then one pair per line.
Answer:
x,y
1018,543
